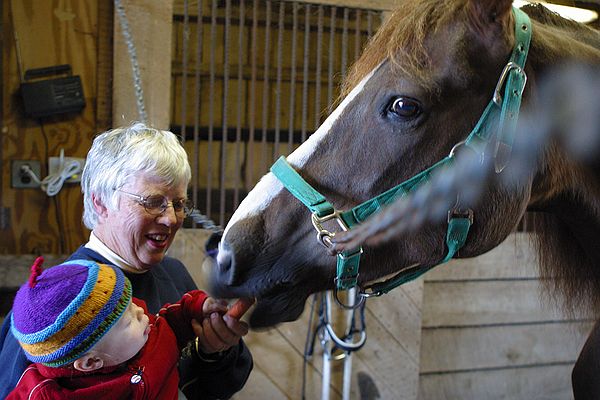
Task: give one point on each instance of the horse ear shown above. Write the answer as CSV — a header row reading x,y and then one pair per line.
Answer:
x,y
489,18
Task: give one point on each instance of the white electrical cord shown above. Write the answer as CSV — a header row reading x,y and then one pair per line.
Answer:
x,y
52,184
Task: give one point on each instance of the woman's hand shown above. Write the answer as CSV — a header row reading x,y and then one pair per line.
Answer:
x,y
217,331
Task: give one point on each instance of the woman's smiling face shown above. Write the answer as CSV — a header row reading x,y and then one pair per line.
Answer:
x,y
137,236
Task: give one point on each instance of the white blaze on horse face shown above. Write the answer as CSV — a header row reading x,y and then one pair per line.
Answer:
x,y
300,156
269,186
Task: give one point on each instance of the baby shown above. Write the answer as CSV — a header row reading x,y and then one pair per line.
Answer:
x,y
88,338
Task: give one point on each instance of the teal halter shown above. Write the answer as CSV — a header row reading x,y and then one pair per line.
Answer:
x,y
501,112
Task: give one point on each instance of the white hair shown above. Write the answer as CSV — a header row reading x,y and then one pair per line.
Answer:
x,y
123,153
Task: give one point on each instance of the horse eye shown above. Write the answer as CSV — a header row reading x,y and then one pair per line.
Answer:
x,y
405,107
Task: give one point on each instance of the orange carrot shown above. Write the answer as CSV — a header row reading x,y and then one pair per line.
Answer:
x,y
240,307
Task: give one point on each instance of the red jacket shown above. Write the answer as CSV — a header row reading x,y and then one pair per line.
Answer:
x,y
151,374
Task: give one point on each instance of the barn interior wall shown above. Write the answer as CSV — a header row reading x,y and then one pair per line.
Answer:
x,y
51,33
40,34
78,33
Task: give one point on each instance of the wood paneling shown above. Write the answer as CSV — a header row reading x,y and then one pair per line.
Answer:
x,y
551,382
498,302
489,331
49,33
502,346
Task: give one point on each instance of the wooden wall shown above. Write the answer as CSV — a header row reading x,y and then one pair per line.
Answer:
x,y
489,331
82,34
49,33
150,23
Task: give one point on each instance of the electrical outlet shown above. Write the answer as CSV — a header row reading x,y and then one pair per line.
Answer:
x,y
54,167
21,179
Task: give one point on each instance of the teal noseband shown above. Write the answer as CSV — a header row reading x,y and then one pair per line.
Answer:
x,y
501,113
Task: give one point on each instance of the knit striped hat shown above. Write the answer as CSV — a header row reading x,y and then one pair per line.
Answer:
x,y
61,312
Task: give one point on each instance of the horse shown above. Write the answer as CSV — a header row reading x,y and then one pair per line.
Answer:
x,y
413,98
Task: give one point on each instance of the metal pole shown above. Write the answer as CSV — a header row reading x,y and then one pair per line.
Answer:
x,y
346,384
326,343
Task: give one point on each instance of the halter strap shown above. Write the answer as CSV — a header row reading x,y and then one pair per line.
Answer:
x,y
501,113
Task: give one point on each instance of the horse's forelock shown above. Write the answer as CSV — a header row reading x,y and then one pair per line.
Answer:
x,y
401,39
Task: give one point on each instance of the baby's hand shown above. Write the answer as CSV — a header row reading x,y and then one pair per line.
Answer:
x,y
212,305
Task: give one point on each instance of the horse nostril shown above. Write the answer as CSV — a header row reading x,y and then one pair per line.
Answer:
x,y
212,244
224,259
226,266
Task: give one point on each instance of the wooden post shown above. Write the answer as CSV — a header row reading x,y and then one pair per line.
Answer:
x,y
150,24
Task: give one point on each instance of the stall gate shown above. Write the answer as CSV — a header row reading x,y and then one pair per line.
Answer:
x,y
251,80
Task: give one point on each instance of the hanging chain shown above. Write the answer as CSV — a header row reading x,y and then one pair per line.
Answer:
x,y
137,80
205,222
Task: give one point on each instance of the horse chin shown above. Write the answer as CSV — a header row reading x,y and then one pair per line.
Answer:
x,y
272,310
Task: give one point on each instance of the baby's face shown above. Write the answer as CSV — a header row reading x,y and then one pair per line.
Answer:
x,y
126,338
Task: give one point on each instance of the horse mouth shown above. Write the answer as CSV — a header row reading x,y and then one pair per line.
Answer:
x,y
278,299
281,303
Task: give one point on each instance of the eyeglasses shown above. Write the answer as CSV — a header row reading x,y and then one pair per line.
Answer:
x,y
157,204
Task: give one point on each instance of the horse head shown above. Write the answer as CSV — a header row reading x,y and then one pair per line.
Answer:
x,y
417,91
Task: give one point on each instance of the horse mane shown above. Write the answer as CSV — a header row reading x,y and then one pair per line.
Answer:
x,y
570,276
549,17
406,28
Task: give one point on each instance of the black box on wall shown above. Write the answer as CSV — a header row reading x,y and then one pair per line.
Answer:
x,y
47,97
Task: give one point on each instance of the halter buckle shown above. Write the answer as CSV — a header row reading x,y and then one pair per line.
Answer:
x,y
497,98
463,143
458,213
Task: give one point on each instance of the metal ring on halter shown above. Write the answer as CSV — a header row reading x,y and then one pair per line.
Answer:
x,y
360,297
324,237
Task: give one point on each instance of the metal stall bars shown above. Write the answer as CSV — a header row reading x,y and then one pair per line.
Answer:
x,y
252,79
243,72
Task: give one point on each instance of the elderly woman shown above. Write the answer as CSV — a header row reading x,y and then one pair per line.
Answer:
x,y
135,199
